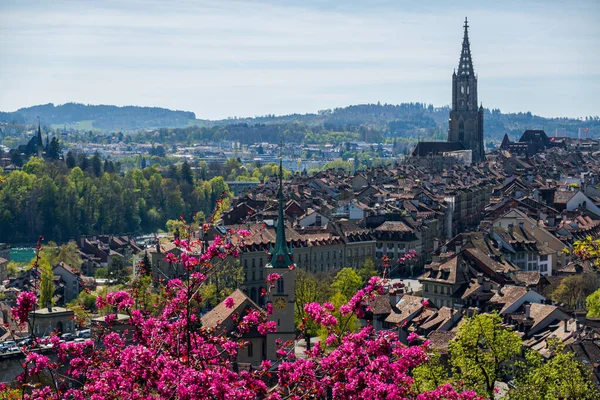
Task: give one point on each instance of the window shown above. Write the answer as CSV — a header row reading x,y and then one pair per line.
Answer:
x,y
462,88
253,262
250,350
544,257
318,220
368,251
278,322
425,288
467,89
245,263
253,275
280,285
435,289
260,262
261,274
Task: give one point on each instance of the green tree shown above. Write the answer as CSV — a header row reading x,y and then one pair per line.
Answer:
x,y
53,151
347,282
71,162
12,268
573,290
176,227
221,282
431,374
480,351
309,288
367,271
46,284
592,303
117,270
559,377
186,173
97,164
101,273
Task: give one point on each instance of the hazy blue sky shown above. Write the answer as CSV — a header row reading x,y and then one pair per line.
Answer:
x,y
222,58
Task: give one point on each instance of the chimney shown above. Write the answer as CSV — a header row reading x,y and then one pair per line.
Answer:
x,y
393,298
480,279
566,326
500,291
157,246
528,311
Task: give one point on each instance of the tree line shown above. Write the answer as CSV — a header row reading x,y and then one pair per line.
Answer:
x,y
47,198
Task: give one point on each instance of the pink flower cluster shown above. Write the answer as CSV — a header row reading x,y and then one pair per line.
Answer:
x,y
26,302
321,314
122,300
169,354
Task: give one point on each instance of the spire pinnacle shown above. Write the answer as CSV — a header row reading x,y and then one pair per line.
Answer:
x,y
465,64
281,255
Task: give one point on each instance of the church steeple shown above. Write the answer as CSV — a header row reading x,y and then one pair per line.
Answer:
x,y
466,119
465,63
281,254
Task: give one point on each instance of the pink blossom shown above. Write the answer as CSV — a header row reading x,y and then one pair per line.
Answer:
x,y
272,278
26,302
412,337
229,302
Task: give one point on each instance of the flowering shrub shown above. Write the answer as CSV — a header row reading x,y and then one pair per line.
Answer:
x,y
171,355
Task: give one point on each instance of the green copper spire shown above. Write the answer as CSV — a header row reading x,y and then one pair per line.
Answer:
x,y
281,254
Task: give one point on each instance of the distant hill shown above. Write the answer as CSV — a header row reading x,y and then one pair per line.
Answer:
x,y
372,122
102,117
420,120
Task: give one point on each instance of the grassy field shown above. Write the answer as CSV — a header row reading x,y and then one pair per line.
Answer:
x,y
81,125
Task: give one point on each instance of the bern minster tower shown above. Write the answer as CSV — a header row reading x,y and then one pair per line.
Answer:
x,y
466,119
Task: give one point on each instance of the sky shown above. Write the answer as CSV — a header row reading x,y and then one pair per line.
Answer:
x,y
225,58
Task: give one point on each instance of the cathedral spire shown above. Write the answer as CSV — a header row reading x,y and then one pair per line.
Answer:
x,y
281,256
465,63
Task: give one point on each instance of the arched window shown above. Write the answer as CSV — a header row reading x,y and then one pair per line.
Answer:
x,y
462,89
467,89
280,285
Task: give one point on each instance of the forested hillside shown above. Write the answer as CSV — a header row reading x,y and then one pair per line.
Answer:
x,y
47,198
370,122
103,117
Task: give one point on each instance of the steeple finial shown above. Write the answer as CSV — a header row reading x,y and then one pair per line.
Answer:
x,y
465,64
281,255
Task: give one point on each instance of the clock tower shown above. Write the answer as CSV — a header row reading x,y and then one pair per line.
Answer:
x,y
282,295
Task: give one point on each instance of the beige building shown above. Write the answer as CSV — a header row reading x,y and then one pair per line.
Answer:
x,y
52,319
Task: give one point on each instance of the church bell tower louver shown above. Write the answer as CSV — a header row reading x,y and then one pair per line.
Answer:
x,y
466,119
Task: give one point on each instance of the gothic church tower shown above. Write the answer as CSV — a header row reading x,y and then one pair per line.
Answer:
x,y
282,297
466,119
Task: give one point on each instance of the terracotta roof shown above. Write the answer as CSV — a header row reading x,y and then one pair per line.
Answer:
x,y
528,278
440,340
510,295
394,226
406,307
221,313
